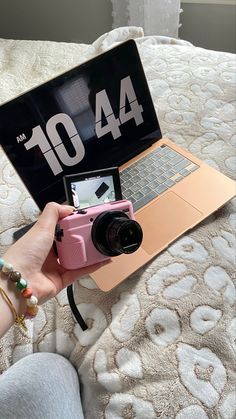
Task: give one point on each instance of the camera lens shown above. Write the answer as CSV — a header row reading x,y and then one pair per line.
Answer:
x,y
114,233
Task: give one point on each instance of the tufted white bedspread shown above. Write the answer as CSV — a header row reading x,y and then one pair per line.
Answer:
x,y
162,344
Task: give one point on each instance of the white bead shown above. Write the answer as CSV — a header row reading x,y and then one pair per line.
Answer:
x,y
7,267
32,301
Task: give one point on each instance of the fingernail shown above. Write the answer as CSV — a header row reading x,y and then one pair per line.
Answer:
x,y
70,207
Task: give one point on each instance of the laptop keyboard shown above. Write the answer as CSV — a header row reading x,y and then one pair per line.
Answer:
x,y
152,175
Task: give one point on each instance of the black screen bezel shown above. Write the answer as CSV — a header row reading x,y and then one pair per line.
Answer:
x,y
32,168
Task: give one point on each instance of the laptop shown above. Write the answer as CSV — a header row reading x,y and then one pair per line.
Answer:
x,y
100,114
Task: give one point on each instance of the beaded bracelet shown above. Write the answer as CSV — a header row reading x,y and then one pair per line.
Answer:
x,y
22,286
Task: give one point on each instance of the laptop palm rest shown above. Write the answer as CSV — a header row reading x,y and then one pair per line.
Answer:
x,y
163,220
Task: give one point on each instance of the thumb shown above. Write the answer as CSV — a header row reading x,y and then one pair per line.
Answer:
x,y
51,214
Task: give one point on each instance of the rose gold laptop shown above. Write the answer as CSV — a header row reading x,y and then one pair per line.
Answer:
x,y
101,114
172,191
187,199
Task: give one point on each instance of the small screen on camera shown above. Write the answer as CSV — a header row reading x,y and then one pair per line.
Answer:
x,y
88,189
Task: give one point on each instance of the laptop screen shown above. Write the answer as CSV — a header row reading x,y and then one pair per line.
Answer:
x,y
96,115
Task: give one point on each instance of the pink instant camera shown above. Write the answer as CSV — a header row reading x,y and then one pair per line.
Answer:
x,y
97,233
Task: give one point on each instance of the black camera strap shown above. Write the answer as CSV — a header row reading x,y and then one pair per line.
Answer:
x,y
74,308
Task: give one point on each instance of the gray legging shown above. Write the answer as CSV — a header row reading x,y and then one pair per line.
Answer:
x,y
41,385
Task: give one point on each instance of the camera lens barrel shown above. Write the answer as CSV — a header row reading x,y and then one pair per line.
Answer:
x,y
114,233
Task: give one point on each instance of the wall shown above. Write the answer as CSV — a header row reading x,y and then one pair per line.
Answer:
x,y
56,20
212,26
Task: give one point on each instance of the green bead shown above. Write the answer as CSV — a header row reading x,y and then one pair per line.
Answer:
x,y
21,284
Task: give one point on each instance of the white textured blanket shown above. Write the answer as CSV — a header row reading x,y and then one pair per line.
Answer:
x,y
162,344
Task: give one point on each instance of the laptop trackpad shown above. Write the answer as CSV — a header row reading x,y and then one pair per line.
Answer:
x,y
165,220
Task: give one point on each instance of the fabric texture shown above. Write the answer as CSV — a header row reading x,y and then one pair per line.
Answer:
x,y
162,344
42,386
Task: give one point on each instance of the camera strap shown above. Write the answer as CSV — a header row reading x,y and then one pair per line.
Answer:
x,y
74,308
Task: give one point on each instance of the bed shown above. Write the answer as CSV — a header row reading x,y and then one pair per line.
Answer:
x,y
161,344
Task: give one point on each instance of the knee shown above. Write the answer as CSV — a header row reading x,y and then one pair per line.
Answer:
x,y
44,361
40,376
41,370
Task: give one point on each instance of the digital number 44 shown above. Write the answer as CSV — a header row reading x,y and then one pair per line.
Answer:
x,y
103,105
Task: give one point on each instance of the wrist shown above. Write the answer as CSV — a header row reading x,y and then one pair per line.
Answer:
x,y
17,299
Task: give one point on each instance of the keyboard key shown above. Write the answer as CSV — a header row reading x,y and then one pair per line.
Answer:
x,y
135,187
165,159
157,151
149,178
184,172
161,179
128,184
169,173
125,176
149,169
169,183
173,154
136,178
176,160
137,196
152,166
168,152
158,171
142,182
133,170
161,188
193,168
178,178
146,190
166,149
145,172
181,165
166,167
153,185
127,194
147,198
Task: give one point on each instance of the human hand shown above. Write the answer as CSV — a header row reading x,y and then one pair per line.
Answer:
x,y
33,256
